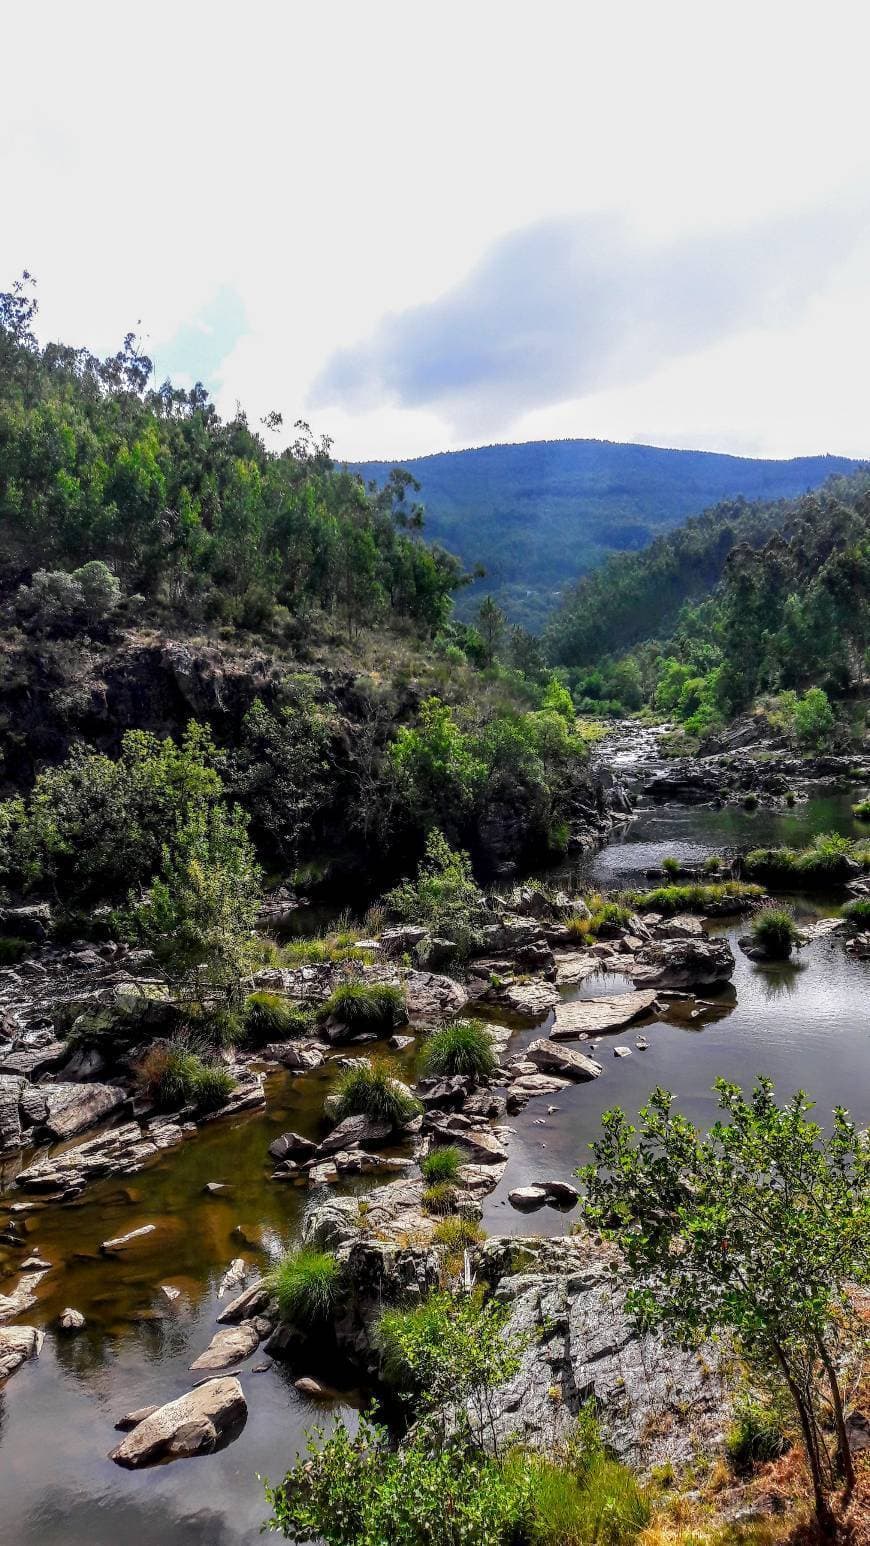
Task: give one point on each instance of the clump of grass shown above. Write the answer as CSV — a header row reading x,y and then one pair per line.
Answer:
x,y
334,948
671,866
712,864
441,1164
13,949
370,1089
307,1286
862,810
727,896
374,1006
756,1434
827,858
579,925
750,802
775,932
171,1075
610,915
790,798
440,1198
581,1496
457,1234
271,1017
858,910
461,1047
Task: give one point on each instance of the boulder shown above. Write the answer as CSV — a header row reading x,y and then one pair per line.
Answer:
x,y
17,1345
527,1198
354,1132
681,926
71,1320
525,998
480,1143
576,966
551,1058
292,1146
70,1108
429,996
684,963
32,1059
23,1296
196,1424
120,1151
510,935
133,1419
229,1346
591,1016
252,1301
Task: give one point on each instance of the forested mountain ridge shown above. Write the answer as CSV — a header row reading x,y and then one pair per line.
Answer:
x,y
538,515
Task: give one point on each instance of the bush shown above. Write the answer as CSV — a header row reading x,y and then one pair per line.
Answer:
x,y
307,1286
579,926
439,1198
594,1500
444,896
451,1348
441,1164
775,932
13,948
375,1006
729,896
462,1047
862,810
457,1234
370,1089
858,911
750,802
55,598
671,866
172,1076
271,1017
756,1434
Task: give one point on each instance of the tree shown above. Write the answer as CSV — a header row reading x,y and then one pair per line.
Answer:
x,y
756,1229
491,625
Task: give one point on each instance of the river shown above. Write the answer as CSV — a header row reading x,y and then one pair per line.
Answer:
x,y
804,1024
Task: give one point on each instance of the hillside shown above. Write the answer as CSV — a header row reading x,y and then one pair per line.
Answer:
x,y
537,516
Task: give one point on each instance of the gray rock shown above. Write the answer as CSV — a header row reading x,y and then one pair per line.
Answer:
x,y
292,1146
684,963
124,1242
527,1198
429,996
133,1419
552,1058
70,1108
252,1301
229,1346
71,1320
234,1276
353,1132
17,1345
592,1016
195,1424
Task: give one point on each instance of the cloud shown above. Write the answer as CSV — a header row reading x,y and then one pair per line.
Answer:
x,y
198,349
571,306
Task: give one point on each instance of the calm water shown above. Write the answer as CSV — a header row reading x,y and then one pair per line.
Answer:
x,y
805,1025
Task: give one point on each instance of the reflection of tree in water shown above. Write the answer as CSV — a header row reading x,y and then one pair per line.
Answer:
x,y
780,981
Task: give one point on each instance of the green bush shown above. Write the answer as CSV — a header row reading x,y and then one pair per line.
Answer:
x,y
595,1502
461,1047
307,1286
271,1017
441,1164
13,948
858,910
375,1006
174,1076
371,1089
451,1347
439,1198
756,1434
457,1233
444,896
729,896
775,932
671,866
862,810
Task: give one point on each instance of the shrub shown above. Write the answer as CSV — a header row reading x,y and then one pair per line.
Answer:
x,y
579,925
439,1198
375,1006
671,866
370,1089
307,1286
457,1233
172,1076
712,864
441,1164
862,810
790,798
858,910
452,1347
596,1500
360,1491
756,1434
775,932
444,896
750,802
13,948
462,1047
271,1017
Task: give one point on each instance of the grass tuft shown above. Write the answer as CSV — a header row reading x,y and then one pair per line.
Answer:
x,y
775,932
307,1286
461,1047
371,1089
441,1164
439,1198
375,1006
457,1234
171,1075
271,1017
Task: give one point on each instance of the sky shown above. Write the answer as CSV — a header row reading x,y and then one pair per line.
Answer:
x,y
422,227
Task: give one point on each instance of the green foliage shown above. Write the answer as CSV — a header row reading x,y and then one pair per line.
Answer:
x,y
588,1498
57,599
452,1348
858,910
173,1075
457,1234
437,762
756,1433
307,952
280,769
370,1088
460,1047
444,897
862,810
757,1229
827,859
307,1286
440,1198
270,1017
610,916
441,1164
775,932
360,1491
671,866
13,949
813,718
725,897
366,1006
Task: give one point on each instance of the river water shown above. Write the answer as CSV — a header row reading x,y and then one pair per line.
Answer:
x,y
804,1024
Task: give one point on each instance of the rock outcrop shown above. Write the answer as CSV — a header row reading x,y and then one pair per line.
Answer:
x,y
197,1423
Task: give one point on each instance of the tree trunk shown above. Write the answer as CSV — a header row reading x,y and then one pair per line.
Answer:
x,y
844,1454
824,1517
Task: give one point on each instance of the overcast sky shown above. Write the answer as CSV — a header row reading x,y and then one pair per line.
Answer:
x,y
424,226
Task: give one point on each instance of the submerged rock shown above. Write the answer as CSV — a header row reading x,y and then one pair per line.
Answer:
x,y
196,1424
229,1346
552,1058
17,1345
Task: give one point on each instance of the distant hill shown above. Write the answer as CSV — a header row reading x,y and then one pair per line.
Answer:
x,y
539,515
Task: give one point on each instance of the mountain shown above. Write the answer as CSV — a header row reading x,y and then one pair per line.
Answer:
x,y
539,515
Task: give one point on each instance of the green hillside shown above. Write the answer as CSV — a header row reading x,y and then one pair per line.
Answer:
x,y
539,515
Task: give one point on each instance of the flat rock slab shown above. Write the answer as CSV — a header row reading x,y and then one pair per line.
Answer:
x,y
576,966
229,1346
527,998
23,1296
124,1242
70,1108
17,1345
564,1061
195,1424
591,1016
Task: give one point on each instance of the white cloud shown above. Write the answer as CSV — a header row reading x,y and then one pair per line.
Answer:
x,y
334,164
